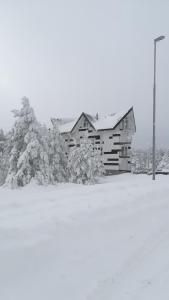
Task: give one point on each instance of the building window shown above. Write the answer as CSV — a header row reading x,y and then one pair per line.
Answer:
x,y
122,125
124,151
111,164
125,123
85,124
112,159
82,129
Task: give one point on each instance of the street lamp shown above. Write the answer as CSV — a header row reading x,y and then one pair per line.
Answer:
x,y
158,39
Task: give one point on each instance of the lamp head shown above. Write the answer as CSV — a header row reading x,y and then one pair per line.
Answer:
x,y
159,38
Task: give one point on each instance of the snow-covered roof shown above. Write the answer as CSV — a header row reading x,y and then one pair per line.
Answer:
x,y
67,127
102,123
109,121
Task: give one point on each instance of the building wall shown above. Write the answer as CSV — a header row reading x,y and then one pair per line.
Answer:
x,y
114,145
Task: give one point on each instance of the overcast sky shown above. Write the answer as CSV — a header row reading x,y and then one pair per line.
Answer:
x,y
69,56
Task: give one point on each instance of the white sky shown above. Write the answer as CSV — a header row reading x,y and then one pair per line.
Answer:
x,y
85,55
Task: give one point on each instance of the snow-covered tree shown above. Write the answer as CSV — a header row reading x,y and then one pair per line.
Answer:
x,y
2,140
164,163
2,157
142,160
29,158
84,163
57,154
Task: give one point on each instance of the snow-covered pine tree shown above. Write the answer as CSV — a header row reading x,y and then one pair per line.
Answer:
x,y
84,163
57,154
28,158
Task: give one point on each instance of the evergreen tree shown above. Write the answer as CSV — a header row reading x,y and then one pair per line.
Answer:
x,y
57,154
28,158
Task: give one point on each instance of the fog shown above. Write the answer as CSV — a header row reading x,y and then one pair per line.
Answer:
x,y
80,55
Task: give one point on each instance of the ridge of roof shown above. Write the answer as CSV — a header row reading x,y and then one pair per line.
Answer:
x,y
110,121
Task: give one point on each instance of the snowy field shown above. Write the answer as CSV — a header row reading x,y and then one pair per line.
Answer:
x,y
109,241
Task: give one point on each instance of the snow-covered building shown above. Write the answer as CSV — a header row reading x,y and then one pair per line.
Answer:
x,y
110,135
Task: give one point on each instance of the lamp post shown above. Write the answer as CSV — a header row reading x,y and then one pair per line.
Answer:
x,y
154,107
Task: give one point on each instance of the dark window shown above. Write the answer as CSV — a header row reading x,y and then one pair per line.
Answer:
x,y
111,164
116,134
71,145
97,137
82,129
112,152
112,159
85,123
97,142
122,143
124,151
122,125
125,123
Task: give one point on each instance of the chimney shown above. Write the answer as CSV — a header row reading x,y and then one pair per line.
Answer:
x,y
97,116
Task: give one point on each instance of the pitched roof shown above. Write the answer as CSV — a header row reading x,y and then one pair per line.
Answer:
x,y
103,123
67,127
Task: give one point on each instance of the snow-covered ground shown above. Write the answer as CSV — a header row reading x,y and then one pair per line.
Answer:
x,y
109,241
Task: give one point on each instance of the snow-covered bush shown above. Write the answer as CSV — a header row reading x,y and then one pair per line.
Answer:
x,y
84,163
164,163
142,160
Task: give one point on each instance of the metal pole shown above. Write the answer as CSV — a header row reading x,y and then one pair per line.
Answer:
x,y
154,114
160,38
